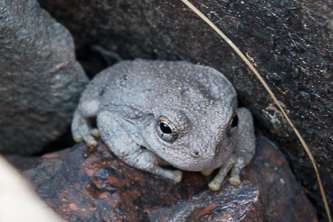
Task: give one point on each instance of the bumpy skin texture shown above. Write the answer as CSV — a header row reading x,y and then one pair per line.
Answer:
x,y
198,103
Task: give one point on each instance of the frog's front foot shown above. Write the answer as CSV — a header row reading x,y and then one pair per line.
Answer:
x,y
177,176
95,132
237,164
82,131
90,141
214,185
234,180
206,173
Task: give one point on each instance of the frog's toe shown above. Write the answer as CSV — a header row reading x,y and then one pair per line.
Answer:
x,y
177,176
90,141
92,144
235,180
95,132
78,138
206,172
214,185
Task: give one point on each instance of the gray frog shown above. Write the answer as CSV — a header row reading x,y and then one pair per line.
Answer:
x,y
154,113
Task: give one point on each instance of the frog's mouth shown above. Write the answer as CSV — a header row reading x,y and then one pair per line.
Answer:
x,y
190,163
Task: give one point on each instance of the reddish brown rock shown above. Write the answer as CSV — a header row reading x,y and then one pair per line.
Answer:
x,y
101,187
282,196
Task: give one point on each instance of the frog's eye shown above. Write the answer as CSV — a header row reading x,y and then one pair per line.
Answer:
x,y
166,129
233,123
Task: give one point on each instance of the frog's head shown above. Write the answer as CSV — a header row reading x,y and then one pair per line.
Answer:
x,y
194,139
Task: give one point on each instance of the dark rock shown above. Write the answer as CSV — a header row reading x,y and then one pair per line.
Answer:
x,y
282,196
40,79
101,187
289,42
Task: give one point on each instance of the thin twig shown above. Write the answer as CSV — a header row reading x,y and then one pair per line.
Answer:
x,y
234,47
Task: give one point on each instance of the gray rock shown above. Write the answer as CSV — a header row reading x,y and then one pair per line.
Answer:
x,y
290,43
40,79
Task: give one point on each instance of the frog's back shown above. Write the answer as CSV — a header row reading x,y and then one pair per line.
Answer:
x,y
143,85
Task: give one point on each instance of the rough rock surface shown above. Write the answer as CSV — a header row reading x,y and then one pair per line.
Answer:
x,y
282,196
40,79
101,187
289,42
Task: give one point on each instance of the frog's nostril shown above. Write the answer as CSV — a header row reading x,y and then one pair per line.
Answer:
x,y
195,153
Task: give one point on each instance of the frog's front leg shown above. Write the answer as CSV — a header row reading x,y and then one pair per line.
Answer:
x,y
114,134
243,153
81,129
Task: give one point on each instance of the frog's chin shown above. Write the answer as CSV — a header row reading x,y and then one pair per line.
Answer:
x,y
192,168
194,165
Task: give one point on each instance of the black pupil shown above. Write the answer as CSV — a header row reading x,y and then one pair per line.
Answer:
x,y
165,128
234,121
